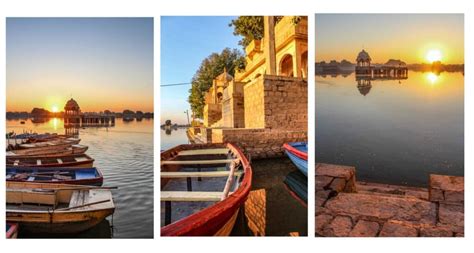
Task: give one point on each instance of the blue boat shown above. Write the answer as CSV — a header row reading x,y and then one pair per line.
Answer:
x,y
298,154
57,175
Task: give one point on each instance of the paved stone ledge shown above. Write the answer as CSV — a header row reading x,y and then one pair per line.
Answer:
x,y
346,208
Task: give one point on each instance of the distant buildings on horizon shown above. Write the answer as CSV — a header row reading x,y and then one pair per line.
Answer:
x,y
43,113
345,66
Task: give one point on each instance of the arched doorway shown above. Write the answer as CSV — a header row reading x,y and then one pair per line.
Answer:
x,y
286,66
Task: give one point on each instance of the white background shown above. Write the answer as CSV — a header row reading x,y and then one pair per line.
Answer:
x,y
157,8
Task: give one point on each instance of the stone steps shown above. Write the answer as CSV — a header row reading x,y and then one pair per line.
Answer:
x,y
345,207
392,190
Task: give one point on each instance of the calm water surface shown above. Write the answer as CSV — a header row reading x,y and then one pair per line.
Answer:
x,y
398,132
124,153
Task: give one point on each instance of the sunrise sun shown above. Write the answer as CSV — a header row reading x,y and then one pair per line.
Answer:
x,y
54,108
434,55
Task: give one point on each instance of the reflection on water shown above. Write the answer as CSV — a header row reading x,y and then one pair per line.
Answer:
x,y
124,153
173,137
393,131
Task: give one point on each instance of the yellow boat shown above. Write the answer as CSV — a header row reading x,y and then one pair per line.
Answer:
x,y
57,208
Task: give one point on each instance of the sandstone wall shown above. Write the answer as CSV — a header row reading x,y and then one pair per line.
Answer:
x,y
233,114
212,114
286,103
254,104
259,143
276,102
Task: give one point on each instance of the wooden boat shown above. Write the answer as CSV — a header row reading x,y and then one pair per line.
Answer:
x,y
224,162
46,137
76,160
57,208
298,154
297,185
66,150
12,230
78,176
48,146
52,142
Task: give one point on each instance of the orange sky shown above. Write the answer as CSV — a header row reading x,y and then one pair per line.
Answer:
x,y
103,63
408,37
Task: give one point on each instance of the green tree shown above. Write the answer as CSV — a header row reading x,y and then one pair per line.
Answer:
x,y
252,27
249,27
210,68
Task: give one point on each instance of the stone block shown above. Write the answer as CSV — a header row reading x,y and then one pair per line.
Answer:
x,y
451,214
341,226
436,231
338,184
346,172
321,221
365,228
393,229
451,186
322,182
383,207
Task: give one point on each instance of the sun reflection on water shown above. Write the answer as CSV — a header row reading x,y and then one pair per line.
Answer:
x,y
432,78
55,123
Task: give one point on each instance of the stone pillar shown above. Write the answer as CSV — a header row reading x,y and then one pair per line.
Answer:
x,y
297,62
269,47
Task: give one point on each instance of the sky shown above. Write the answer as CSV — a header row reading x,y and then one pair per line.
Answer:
x,y
408,37
185,42
103,63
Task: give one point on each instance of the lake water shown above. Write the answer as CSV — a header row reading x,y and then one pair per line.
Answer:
x,y
124,154
282,214
399,132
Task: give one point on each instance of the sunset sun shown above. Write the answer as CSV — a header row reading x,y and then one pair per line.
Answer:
x,y
434,55
54,108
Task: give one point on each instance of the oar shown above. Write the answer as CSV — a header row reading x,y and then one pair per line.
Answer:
x,y
85,187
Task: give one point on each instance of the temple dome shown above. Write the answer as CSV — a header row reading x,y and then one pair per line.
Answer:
x,y
225,77
363,56
72,105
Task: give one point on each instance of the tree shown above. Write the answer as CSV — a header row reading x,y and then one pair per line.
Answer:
x,y
252,27
249,27
210,68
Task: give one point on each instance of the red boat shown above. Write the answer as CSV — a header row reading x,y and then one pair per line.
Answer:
x,y
221,164
12,230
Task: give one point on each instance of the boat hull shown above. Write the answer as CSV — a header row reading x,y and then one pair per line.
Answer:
x,y
218,219
12,230
57,223
97,180
298,157
72,161
25,206
25,153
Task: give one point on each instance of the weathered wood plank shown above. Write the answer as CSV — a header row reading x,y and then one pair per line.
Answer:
x,y
221,161
190,196
185,174
211,151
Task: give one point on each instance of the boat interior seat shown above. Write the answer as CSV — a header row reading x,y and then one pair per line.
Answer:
x,y
79,198
81,159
